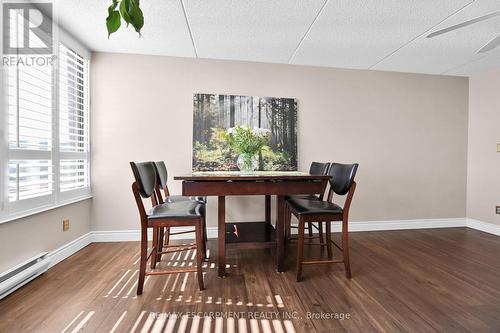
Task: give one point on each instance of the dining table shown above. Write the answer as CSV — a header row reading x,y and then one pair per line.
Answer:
x,y
259,234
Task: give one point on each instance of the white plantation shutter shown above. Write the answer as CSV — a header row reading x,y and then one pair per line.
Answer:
x,y
73,101
73,120
30,108
30,132
74,174
45,118
30,179
30,114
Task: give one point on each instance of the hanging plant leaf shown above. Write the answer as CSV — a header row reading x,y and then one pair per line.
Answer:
x,y
113,21
124,9
131,13
136,16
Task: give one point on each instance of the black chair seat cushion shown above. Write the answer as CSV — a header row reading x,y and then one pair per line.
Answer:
x,y
302,196
176,210
310,207
177,198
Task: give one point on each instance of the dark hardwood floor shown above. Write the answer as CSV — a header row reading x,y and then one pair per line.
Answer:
x,y
434,280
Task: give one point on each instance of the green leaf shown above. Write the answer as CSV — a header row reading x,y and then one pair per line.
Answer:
x,y
136,16
124,8
113,22
129,10
113,6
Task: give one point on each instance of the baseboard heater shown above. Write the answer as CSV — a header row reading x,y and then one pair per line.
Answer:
x,y
23,273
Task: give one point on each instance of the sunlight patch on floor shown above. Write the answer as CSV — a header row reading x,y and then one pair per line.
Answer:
x,y
115,326
81,324
221,322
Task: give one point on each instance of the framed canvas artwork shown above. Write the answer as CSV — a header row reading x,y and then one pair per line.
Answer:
x,y
215,114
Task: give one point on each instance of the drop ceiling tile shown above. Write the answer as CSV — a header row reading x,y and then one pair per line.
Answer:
x,y
488,62
348,33
358,34
165,31
447,52
263,30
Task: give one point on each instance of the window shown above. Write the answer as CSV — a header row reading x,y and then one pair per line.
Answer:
x,y
45,148
30,132
73,121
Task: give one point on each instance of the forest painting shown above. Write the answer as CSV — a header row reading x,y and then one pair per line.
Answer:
x,y
214,114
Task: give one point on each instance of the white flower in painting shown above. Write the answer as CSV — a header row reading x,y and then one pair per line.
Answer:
x,y
261,132
231,130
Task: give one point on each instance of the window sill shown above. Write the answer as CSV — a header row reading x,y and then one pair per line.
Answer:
x,y
43,209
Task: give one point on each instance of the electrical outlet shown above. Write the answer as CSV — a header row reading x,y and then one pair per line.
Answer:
x,y
498,147
65,224
498,209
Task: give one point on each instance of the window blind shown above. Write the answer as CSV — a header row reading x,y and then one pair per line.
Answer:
x,y
73,120
73,107
30,126
47,125
30,179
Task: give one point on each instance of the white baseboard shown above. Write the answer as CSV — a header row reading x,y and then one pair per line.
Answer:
x,y
404,224
134,235
70,248
117,236
399,225
212,232
483,226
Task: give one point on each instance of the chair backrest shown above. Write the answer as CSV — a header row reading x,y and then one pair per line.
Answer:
x,y
161,180
145,177
161,174
342,177
318,168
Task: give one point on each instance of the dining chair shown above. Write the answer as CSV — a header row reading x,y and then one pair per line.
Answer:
x,y
165,233
166,215
341,183
162,183
316,168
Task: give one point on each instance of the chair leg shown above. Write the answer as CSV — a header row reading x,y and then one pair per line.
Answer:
x,y
288,223
167,236
329,239
320,231
345,248
144,257
288,218
300,248
290,215
154,248
199,254
161,236
310,228
204,238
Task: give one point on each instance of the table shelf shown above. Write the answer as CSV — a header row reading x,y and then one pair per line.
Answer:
x,y
250,235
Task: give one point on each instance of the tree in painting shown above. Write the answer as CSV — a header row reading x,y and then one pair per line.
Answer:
x,y
214,114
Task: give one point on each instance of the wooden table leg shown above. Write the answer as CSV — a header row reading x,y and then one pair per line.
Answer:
x,y
268,208
222,236
280,233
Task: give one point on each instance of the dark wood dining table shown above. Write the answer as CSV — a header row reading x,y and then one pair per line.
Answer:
x,y
267,183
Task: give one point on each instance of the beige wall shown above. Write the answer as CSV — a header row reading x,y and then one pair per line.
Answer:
x,y
407,131
24,238
483,176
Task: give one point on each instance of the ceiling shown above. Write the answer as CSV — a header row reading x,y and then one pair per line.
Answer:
x,y
363,34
